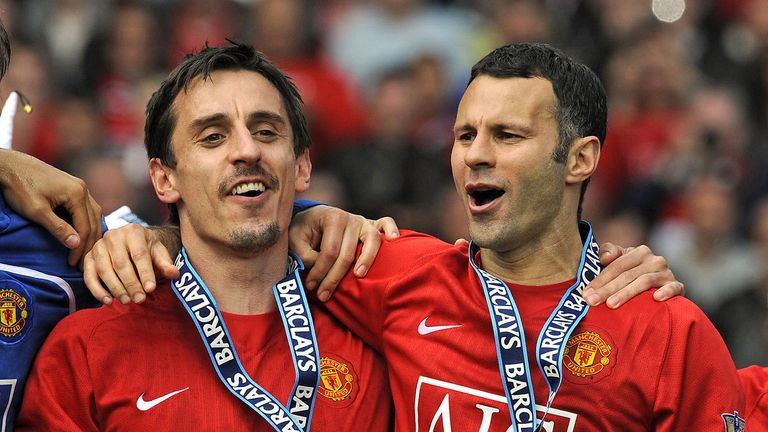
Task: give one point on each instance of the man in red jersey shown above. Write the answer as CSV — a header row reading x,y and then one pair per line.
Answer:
x,y
496,337
228,150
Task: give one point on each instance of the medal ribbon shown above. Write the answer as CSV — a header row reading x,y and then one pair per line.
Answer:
x,y
299,329
510,337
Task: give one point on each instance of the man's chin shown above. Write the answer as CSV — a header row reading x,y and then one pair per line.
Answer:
x,y
486,235
255,240
481,238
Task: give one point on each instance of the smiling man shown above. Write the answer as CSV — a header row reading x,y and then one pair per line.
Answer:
x,y
228,149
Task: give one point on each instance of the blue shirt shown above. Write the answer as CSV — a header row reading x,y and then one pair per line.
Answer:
x,y
37,289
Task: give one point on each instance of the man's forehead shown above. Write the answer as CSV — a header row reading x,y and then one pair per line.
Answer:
x,y
224,88
506,100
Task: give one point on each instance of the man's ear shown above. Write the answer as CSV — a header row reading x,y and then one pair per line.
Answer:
x,y
582,159
163,181
303,171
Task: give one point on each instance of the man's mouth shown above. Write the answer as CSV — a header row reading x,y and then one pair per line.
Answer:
x,y
484,195
250,190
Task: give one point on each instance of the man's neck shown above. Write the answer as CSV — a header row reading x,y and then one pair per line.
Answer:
x,y
241,283
550,258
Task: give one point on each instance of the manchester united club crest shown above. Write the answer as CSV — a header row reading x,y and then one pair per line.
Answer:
x,y
586,354
337,380
734,423
14,313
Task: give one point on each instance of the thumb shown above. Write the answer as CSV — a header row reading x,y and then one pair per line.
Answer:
x,y
63,231
308,257
304,251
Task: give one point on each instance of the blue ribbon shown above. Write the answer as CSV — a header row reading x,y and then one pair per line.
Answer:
x,y
510,337
299,329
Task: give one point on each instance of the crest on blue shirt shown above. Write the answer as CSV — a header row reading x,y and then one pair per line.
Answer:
x,y
733,423
15,312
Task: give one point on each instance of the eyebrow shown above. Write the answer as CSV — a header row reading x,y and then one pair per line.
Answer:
x,y
266,116
498,127
202,122
525,130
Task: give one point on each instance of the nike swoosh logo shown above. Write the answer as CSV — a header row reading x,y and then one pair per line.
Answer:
x,y
424,329
144,405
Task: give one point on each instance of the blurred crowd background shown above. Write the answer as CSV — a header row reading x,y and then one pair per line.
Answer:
x,y
684,167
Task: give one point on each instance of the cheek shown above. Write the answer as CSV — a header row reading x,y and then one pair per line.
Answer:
x,y
547,182
457,163
197,184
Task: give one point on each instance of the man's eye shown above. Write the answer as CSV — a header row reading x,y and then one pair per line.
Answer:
x,y
213,138
466,136
507,136
265,134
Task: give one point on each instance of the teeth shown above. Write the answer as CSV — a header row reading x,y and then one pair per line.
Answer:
x,y
248,187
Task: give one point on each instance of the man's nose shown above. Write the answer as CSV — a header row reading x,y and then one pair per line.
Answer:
x,y
480,151
244,147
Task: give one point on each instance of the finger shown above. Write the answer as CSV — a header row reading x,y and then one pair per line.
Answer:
x,y
141,260
122,256
95,214
106,272
461,242
669,290
612,278
625,294
163,263
371,242
598,294
388,226
76,204
343,262
641,283
60,229
629,260
605,283
609,252
333,227
92,281
302,247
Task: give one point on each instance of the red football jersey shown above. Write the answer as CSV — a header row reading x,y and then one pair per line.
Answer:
x,y
144,367
755,382
647,366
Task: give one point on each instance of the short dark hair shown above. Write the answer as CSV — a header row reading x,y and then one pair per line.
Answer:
x,y
582,108
161,119
5,50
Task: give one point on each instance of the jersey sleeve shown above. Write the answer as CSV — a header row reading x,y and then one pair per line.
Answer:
x,y
300,205
59,393
361,304
698,387
754,379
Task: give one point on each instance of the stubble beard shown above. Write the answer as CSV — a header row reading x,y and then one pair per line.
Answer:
x,y
251,240
491,234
